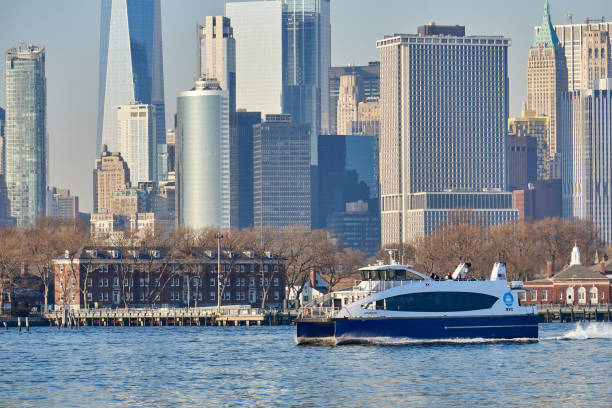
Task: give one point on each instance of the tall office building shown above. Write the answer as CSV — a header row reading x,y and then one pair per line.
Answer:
x,y
26,132
2,122
110,174
531,125
131,68
283,55
444,112
61,204
245,121
368,78
203,156
580,42
349,96
281,173
546,82
586,161
257,27
217,55
137,141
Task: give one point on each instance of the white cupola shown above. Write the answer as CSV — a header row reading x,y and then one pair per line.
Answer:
x,y
575,256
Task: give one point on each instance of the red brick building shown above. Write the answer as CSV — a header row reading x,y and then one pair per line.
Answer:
x,y
575,285
109,277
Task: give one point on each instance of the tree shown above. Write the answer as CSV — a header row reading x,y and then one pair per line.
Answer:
x,y
297,246
10,262
264,241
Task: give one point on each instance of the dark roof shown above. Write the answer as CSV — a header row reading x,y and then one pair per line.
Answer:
x,y
578,272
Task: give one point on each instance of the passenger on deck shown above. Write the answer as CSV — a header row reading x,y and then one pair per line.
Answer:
x,y
449,276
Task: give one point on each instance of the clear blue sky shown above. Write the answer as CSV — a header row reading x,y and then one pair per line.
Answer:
x,y
70,31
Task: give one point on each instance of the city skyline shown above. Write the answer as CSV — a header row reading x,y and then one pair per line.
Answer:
x,y
72,67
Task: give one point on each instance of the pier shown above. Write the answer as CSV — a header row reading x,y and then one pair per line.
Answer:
x,y
200,316
557,313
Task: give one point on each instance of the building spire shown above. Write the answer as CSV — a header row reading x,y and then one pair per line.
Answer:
x,y
547,35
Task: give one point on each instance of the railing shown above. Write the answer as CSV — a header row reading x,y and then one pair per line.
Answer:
x,y
158,312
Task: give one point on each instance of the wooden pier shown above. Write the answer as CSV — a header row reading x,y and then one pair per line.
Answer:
x,y
554,313
201,316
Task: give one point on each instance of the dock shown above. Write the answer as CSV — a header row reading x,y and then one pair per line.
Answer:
x,y
556,313
196,316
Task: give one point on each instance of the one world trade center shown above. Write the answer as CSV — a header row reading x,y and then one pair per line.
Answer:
x,y
131,68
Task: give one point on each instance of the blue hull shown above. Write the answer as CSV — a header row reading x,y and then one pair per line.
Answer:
x,y
438,328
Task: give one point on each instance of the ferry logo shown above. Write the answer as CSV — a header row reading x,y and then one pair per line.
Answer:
x,y
508,299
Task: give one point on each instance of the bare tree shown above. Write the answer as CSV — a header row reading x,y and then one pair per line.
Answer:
x,y
264,241
297,246
10,262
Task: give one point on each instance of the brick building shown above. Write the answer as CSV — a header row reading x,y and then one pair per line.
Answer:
x,y
576,285
110,277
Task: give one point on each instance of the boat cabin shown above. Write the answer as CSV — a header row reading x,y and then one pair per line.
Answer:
x,y
390,273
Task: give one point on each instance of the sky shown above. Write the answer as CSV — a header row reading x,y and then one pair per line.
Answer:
x,y
70,31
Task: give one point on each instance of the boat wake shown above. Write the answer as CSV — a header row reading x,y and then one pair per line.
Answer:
x,y
404,341
586,332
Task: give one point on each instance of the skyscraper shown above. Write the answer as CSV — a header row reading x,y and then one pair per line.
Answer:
x,y
257,27
26,132
586,162
281,173
61,204
137,141
244,124
532,125
579,42
2,122
283,55
349,96
110,174
368,79
444,112
546,82
218,55
131,67
203,156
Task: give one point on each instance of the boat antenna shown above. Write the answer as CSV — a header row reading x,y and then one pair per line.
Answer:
x,y
392,256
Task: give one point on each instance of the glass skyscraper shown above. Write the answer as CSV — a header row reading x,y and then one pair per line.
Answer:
x,y
131,67
26,132
203,156
283,56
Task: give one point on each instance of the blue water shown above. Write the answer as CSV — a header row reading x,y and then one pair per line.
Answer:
x,y
571,365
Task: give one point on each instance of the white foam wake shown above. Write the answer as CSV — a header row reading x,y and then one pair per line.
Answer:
x,y
400,341
590,331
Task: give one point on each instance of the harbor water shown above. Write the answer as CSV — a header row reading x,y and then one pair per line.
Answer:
x,y
263,367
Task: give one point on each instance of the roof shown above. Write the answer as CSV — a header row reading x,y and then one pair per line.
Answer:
x,y
547,35
578,272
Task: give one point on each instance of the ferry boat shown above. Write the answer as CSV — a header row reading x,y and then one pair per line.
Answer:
x,y
396,302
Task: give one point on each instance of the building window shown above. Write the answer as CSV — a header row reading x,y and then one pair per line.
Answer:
x,y
276,282
89,282
544,295
212,281
116,282
582,294
251,281
522,296
261,282
276,295
227,296
101,282
212,295
89,296
534,295
142,296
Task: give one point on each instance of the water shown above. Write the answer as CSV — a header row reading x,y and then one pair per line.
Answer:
x,y
263,367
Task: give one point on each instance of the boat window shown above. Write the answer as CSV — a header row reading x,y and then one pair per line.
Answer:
x,y
364,275
400,275
439,302
380,304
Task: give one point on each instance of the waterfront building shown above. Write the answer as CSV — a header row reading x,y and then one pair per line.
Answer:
x,y
258,33
586,162
442,138
25,132
283,50
281,173
356,228
522,161
131,68
587,51
546,83
110,174
541,199
144,277
244,124
130,201
531,125
368,78
61,204
576,284
137,141
203,156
